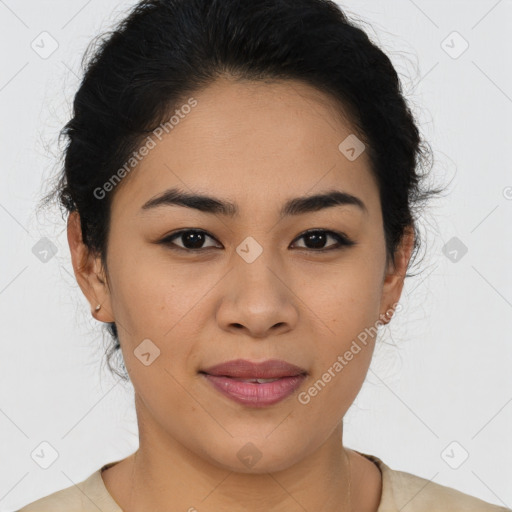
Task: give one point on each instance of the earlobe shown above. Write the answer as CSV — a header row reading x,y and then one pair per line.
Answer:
x,y
88,271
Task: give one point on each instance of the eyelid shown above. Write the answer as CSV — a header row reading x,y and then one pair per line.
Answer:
x,y
168,240
342,239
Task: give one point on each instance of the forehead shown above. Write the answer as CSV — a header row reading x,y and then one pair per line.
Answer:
x,y
253,142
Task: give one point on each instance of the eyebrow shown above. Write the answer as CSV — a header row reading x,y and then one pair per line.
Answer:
x,y
213,205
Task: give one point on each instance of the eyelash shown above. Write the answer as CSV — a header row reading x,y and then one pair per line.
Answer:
x,y
342,239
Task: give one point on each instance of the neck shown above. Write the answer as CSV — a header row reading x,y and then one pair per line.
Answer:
x,y
163,472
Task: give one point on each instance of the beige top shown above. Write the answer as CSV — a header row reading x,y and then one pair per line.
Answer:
x,y
400,492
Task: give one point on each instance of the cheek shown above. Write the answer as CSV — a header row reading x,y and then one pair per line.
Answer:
x,y
348,305
151,294
165,304
346,296
342,356
332,390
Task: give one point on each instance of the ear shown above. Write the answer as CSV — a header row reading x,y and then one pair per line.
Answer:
x,y
395,274
89,271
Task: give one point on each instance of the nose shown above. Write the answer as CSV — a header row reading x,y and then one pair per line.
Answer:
x,y
257,299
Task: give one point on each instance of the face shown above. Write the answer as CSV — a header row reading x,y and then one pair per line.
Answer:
x,y
253,284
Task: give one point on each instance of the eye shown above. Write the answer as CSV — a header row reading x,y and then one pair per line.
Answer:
x,y
192,239
318,237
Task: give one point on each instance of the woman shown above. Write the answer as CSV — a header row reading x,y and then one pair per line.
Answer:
x,y
241,178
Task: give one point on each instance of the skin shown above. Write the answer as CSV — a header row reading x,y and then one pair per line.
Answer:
x,y
255,144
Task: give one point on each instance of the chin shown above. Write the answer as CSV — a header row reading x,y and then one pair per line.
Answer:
x,y
256,455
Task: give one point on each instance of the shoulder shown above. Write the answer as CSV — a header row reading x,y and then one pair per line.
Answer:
x,y
65,499
405,491
88,495
427,496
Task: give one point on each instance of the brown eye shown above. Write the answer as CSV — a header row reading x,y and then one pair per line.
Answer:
x,y
316,240
192,240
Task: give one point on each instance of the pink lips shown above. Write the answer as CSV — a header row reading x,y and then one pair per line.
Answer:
x,y
228,378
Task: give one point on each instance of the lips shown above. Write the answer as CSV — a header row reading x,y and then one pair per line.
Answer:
x,y
248,371
255,384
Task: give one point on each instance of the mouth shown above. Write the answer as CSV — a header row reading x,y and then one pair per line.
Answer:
x,y
255,384
258,381
243,369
